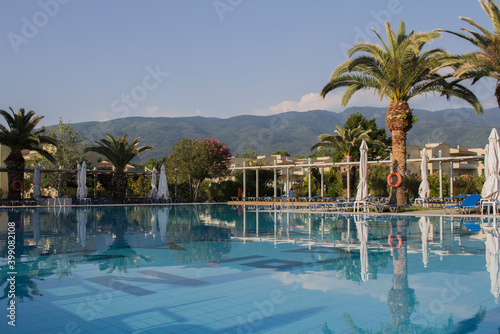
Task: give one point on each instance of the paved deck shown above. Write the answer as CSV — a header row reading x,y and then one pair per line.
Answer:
x,y
304,207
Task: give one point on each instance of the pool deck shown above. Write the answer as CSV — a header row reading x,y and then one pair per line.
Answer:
x,y
299,207
303,207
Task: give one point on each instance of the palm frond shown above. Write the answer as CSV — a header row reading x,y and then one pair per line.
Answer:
x,y
117,150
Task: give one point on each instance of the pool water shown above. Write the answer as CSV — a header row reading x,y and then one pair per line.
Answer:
x,y
228,269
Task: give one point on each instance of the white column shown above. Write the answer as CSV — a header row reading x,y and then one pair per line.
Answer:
x,y
256,183
323,181
287,181
275,180
309,177
452,193
348,178
440,154
244,181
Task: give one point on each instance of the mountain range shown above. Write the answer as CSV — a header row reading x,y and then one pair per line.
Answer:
x,y
294,132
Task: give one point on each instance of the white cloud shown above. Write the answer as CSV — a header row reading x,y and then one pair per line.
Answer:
x,y
332,102
332,281
151,111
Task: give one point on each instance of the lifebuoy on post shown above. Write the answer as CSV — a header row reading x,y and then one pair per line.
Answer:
x,y
390,180
17,185
400,242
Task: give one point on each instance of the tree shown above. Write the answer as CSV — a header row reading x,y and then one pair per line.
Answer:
x,y
399,71
484,62
345,143
281,152
197,160
376,134
434,184
377,180
250,154
19,135
119,152
67,154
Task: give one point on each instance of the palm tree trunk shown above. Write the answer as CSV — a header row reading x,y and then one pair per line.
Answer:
x,y
399,121
15,172
119,187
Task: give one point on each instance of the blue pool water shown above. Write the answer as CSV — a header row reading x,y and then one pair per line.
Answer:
x,y
223,269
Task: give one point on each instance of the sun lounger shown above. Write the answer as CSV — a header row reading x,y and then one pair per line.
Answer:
x,y
470,203
382,207
473,227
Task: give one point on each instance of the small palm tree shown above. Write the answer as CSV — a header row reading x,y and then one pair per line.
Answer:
x,y
346,141
19,134
399,71
484,62
119,152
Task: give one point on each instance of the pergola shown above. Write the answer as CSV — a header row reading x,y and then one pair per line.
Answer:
x,y
322,165
95,172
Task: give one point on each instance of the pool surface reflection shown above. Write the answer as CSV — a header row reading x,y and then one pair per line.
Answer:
x,y
223,269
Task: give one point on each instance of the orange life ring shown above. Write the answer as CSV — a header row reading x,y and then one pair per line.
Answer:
x,y
394,185
400,242
17,185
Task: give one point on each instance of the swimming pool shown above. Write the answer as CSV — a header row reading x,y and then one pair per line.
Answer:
x,y
222,269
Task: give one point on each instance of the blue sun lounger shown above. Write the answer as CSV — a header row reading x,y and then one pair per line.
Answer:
x,y
471,202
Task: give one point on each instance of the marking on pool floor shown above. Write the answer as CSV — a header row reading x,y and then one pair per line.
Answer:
x,y
168,279
313,250
173,279
276,264
242,258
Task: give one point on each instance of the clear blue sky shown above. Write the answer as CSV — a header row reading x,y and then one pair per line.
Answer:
x,y
98,60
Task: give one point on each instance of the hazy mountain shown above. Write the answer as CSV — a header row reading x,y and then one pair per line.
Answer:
x,y
294,132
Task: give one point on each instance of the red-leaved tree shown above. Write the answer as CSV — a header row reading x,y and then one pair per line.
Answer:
x,y
198,160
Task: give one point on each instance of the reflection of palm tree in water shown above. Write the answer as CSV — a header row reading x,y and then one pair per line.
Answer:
x,y
26,271
120,255
401,298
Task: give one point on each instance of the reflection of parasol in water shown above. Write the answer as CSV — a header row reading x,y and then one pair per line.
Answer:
x,y
492,259
162,221
362,228
81,217
154,226
425,225
37,181
36,226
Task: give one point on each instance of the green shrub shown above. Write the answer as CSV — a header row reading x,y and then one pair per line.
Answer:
x,y
466,184
434,184
377,180
218,192
412,184
333,182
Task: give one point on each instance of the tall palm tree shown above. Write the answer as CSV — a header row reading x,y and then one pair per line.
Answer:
x,y
19,134
484,62
399,71
119,152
